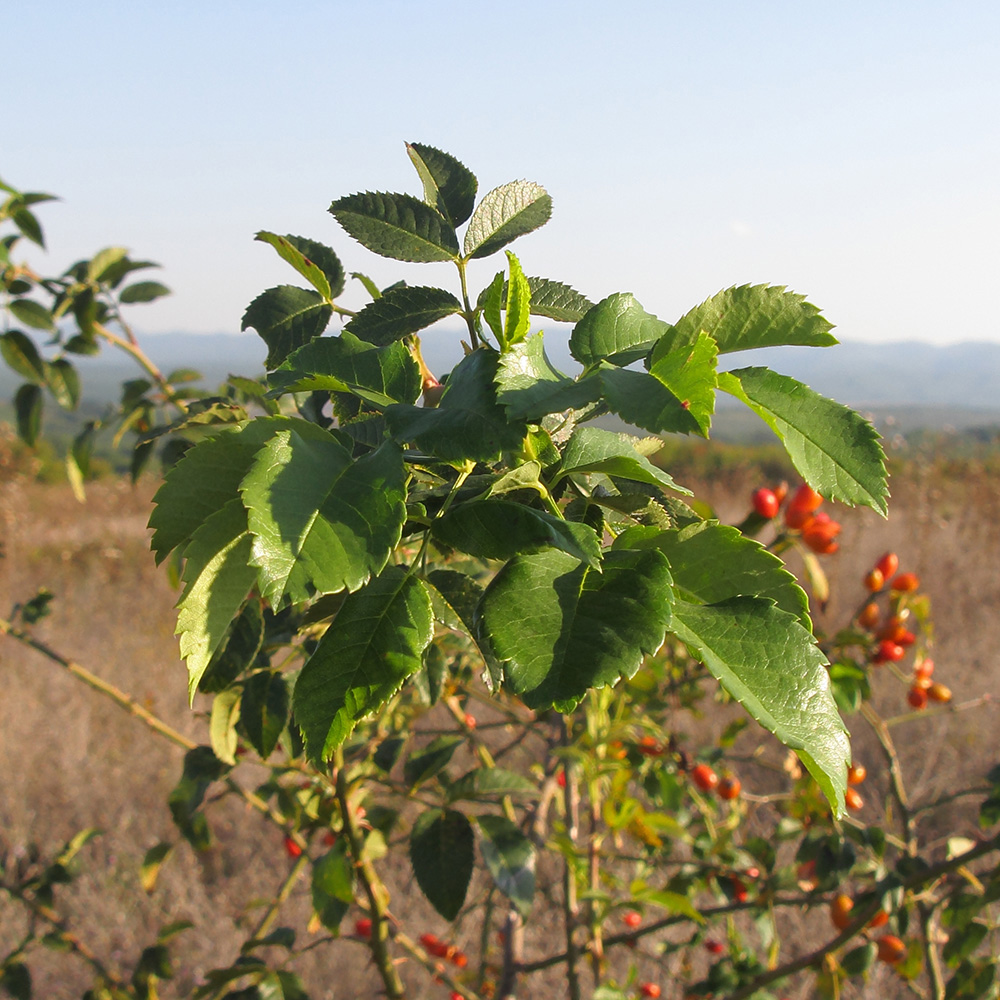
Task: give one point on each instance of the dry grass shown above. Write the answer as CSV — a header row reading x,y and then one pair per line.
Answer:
x,y
70,759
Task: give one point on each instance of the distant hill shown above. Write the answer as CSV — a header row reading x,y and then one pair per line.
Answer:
x,y
903,386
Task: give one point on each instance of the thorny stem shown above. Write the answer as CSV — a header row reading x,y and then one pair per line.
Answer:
x,y
372,884
130,705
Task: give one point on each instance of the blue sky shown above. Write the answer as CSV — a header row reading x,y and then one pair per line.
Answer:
x,y
849,151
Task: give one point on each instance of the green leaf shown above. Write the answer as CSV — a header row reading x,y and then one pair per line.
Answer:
x,y
507,212
617,330
21,354
375,643
644,401
401,311
32,314
517,319
378,375
455,598
290,249
449,186
835,449
201,768
29,226
322,522
592,449
209,475
530,387
397,225
491,302
490,783
104,261
770,663
750,316
962,943
265,710
689,373
500,529
222,725
28,408
712,562
549,298
431,760
286,317
442,852
218,576
143,291
510,858
561,628
333,886
15,980
63,382
468,423
152,863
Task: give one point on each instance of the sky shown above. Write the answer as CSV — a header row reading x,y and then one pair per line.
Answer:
x,y
849,151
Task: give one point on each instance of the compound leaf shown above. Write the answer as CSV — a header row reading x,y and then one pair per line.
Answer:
x,y
835,449
375,643
560,628
400,311
449,186
397,225
507,212
286,317
442,852
322,522
770,663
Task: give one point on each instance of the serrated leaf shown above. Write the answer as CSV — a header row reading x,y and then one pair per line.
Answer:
x,y
500,529
378,375
375,643
209,475
286,317
322,522
517,310
552,299
21,354
468,423
143,291
289,251
217,576
104,260
401,311
504,214
26,221
644,401
835,449
771,664
152,862
530,387
32,314
28,410
510,858
749,316
324,258
689,373
560,628
455,598
490,783
713,562
431,760
333,886
591,449
617,330
222,725
491,302
449,186
63,381
397,225
442,852
265,710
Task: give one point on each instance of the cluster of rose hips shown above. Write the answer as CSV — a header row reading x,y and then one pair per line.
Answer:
x,y
818,530
728,787
441,949
891,949
892,637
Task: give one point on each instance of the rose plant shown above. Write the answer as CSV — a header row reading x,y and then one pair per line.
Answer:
x,y
358,568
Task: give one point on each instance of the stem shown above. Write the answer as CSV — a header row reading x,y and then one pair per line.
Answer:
x,y
131,347
265,922
374,889
571,906
513,949
461,263
130,705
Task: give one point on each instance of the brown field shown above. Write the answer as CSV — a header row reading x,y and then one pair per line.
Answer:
x,y
70,759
